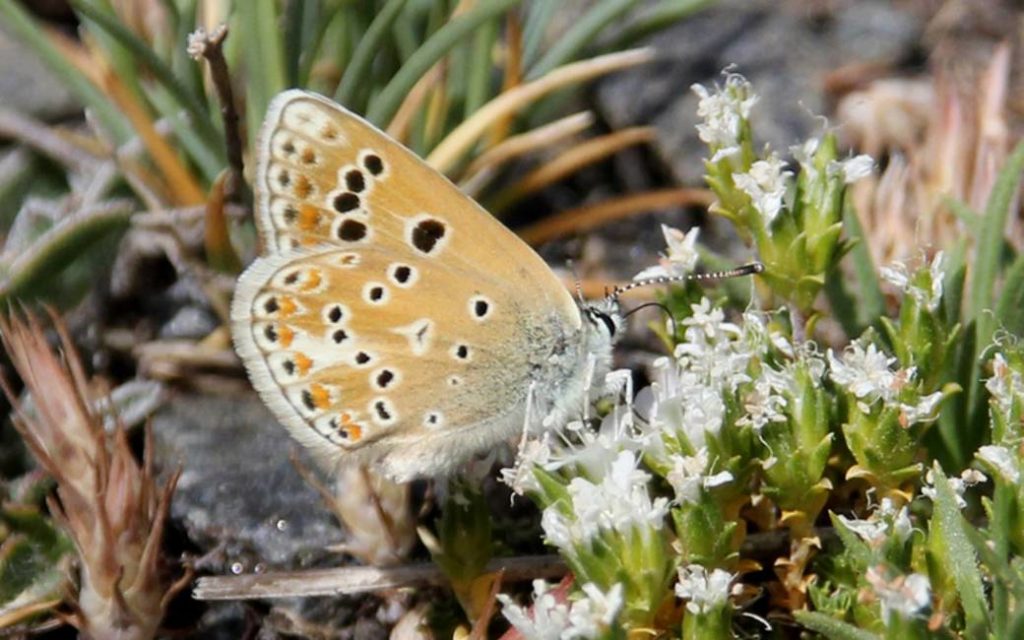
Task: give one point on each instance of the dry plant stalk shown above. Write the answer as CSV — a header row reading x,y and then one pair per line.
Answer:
x,y
110,505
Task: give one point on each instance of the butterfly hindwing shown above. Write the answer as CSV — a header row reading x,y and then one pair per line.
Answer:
x,y
392,316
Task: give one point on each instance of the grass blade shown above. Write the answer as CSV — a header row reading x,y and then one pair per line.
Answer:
x,y
450,150
145,56
358,70
35,37
579,35
430,52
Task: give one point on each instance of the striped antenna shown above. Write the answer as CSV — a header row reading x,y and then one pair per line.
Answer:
x,y
738,272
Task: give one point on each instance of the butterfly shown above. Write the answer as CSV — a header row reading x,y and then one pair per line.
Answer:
x,y
391,321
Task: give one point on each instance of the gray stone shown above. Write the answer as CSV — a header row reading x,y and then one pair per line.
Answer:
x,y
238,489
783,51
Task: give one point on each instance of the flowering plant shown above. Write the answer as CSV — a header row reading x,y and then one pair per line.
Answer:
x,y
756,425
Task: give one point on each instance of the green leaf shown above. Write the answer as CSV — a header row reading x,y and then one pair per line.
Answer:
x,y
831,628
959,556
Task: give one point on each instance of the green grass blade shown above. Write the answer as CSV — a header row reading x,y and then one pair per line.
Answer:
x,y
357,73
478,77
262,47
538,17
426,56
24,27
661,18
990,242
1008,315
209,155
118,57
872,302
568,46
145,56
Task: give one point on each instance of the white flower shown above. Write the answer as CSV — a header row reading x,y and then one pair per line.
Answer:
x,y
804,155
681,258
898,275
704,591
1005,384
886,521
689,476
765,183
593,614
968,478
547,620
1002,460
723,113
923,410
762,404
865,373
852,169
619,502
905,596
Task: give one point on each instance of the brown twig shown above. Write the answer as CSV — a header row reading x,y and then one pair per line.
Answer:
x,y
210,47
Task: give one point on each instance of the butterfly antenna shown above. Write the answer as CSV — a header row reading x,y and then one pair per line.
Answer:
x,y
668,313
738,272
576,277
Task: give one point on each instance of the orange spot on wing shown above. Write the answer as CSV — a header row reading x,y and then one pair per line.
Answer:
x,y
303,187
313,281
303,363
286,335
354,432
309,217
286,306
321,398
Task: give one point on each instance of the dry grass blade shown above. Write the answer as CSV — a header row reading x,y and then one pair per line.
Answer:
x,y
399,126
182,185
565,164
486,165
352,580
446,154
590,216
110,505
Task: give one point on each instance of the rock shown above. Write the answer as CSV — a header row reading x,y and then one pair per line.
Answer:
x,y
783,51
238,488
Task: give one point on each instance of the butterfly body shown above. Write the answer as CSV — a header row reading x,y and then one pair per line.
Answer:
x,y
391,321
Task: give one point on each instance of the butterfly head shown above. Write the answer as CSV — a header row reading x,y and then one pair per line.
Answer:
x,y
603,319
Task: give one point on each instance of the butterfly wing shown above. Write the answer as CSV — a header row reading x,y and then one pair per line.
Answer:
x,y
392,318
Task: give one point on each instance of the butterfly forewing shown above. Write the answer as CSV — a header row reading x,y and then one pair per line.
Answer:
x,y
391,311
